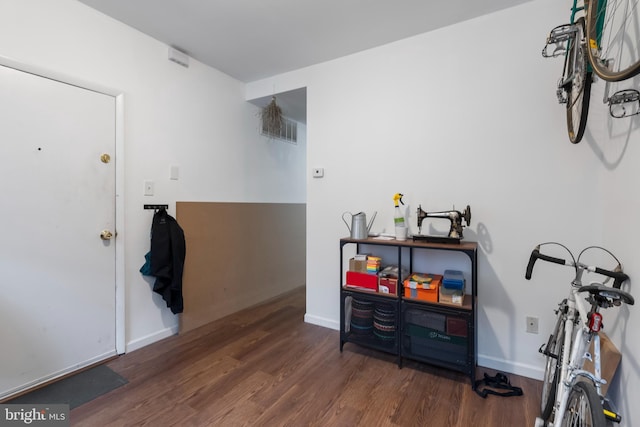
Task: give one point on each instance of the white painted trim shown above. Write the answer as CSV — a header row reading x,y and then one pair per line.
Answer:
x,y
152,338
57,76
120,327
511,367
321,321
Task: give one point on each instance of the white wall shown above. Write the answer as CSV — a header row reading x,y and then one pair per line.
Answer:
x,y
616,142
468,115
196,118
462,115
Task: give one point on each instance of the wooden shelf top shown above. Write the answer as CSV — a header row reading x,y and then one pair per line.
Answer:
x,y
368,292
466,302
462,246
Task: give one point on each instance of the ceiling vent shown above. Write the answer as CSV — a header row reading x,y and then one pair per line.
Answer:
x,y
178,57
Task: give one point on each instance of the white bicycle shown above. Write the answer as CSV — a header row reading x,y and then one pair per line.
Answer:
x,y
571,396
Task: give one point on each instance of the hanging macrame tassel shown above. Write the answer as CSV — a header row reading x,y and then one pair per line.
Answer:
x,y
272,118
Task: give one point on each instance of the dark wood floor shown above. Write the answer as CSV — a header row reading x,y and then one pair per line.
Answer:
x,y
266,367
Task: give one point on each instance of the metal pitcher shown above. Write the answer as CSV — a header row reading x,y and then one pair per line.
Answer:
x,y
359,228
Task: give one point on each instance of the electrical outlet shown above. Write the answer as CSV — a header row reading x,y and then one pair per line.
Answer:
x,y
532,324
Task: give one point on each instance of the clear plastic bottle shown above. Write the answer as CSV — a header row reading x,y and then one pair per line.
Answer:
x,y
398,216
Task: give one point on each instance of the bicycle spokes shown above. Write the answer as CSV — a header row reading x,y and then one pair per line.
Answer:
x,y
613,31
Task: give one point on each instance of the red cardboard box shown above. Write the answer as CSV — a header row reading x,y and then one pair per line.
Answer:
x,y
362,280
388,285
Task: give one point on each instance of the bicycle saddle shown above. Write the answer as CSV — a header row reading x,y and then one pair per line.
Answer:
x,y
606,292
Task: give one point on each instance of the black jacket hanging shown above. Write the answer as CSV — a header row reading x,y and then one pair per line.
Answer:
x,y
168,250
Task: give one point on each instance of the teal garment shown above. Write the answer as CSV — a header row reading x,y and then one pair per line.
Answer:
x,y
146,268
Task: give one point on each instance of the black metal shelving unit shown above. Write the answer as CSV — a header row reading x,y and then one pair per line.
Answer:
x,y
439,334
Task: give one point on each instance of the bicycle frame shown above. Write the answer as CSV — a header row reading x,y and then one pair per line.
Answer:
x,y
577,337
574,11
602,6
572,20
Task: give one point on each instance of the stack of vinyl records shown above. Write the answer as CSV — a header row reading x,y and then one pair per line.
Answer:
x,y
384,324
361,317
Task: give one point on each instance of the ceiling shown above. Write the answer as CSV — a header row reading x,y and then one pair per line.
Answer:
x,y
254,39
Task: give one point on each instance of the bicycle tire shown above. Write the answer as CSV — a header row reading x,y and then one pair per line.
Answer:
x,y
584,407
617,39
551,372
579,90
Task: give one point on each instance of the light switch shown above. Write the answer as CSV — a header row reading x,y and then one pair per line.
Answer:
x,y
175,172
148,188
318,172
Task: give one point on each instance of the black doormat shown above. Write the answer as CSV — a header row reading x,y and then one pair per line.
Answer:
x,y
76,389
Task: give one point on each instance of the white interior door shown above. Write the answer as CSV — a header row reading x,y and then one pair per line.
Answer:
x,y
57,276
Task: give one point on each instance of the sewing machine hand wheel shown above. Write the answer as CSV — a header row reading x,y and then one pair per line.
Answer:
x,y
467,215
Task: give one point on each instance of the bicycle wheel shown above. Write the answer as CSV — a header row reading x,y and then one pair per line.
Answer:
x,y
553,352
613,31
584,407
579,90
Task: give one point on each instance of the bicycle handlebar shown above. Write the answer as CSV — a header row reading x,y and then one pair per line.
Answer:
x,y
617,276
535,254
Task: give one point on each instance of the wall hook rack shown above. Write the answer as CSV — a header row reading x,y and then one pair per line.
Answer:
x,y
156,207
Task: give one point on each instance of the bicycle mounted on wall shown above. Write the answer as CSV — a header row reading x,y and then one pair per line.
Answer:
x,y
605,41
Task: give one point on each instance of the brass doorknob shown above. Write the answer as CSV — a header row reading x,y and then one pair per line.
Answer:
x,y
106,235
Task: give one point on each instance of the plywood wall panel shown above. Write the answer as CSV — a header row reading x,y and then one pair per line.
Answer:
x,y
239,255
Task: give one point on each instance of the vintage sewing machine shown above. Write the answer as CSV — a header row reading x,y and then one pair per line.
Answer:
x,y
455,231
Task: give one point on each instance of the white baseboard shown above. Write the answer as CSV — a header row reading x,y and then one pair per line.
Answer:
x,y
151,338
501,365
321,321
511,367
